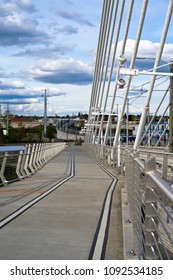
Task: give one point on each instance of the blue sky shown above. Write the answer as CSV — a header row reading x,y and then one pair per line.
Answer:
x,y
52,45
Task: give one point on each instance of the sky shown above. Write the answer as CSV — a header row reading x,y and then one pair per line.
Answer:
x,y
51,45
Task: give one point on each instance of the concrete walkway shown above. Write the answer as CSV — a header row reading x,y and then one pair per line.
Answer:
x,y
63,224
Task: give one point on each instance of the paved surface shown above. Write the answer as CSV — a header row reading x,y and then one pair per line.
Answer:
x,y
63,224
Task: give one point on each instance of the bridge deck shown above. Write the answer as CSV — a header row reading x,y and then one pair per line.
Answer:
x,y
63,224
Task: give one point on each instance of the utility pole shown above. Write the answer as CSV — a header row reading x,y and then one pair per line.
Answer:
x,y
45,112
7,118
171,111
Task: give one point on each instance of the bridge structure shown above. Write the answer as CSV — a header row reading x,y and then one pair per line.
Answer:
x,y
75,200
125,75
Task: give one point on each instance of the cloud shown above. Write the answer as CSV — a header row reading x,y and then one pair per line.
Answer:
x,y
18,28
4,85
26,5
67,71
68,30
9,7
47,52
147,49
75,17
16,93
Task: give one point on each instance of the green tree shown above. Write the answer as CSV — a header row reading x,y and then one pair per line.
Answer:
x,y
51,131
13,135
2,138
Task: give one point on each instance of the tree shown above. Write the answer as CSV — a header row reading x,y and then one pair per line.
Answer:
x,y
2,138
13,136
51,131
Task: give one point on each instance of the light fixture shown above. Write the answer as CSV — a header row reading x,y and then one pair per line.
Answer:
x,y
121,83
122,60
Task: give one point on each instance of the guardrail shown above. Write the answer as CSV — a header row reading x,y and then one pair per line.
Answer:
x,y
18,162
149,188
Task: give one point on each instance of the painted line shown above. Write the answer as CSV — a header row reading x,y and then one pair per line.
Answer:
x,y
100,238
103,226
31,203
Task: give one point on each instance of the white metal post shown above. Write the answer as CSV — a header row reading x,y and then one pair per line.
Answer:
x,y
26,165
19,164
138,37
3,179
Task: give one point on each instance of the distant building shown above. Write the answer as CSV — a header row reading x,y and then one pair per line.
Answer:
x,y
155,131
25,122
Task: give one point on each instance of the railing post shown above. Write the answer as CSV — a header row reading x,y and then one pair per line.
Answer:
x,y
46,153
31,161
22,166
18,166
151,219
35,157
26,165
38,156
42,154
4,181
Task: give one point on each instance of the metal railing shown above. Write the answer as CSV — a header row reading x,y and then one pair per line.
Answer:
x,y
18,162
108,155
150,200
148,183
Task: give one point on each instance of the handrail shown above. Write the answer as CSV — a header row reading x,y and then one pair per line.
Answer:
x,y
18,162
148,184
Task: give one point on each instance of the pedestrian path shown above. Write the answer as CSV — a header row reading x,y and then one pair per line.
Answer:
x,y
65,223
